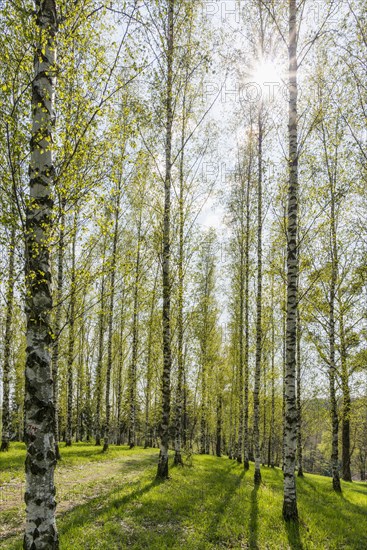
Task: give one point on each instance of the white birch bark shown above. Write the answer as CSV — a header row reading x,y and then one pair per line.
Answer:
x,y
290,497
40,529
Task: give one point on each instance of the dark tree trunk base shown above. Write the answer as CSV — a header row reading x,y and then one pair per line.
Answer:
x,y
57,452
98,442
105,448
162,472
290,512
51,541
300,472
257,477
4,446
177,461
68,443
336,485
239,459
246,464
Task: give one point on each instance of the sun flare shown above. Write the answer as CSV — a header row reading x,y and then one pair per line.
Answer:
x,y
266,73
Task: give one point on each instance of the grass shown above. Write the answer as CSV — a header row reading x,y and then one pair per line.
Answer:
x,y
114,502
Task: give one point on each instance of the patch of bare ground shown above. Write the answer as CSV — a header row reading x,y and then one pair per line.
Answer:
x,y
75,485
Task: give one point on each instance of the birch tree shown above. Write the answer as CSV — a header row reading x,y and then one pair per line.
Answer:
x,y
40,530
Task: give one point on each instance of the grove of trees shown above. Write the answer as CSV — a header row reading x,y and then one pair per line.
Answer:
x,y
183,235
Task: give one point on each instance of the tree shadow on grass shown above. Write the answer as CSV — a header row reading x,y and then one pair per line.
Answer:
x,y
253,523
294,538
355,507
327,507
224,503
329,496
94,508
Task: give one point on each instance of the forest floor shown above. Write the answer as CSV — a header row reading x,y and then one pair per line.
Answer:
x,y
112,501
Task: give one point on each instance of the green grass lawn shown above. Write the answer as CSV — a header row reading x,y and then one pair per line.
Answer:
x,y
111,501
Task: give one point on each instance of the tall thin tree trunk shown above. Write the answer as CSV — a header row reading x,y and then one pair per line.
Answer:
x,y
272,418
203,424
246,442
284,365
347,474
240,449
110,319
101,323
40,529
299,398
134,354
218,446
57,325
70,361
7,342
119,372
148,427
265,402
231,415
88,400
332,360
290,511
180,322
333,403
185,414
162,471
256,427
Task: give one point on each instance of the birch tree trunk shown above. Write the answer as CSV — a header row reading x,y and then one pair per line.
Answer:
x,y
256,428
284,360
40,529
70,370
218,446
332,360
5,439
272,417
180,321
110,319
57,324
290,511
265,402
346,453
162,472
299,400
99,365
148,427
134,353
80,381
246,443
119,369
240,449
